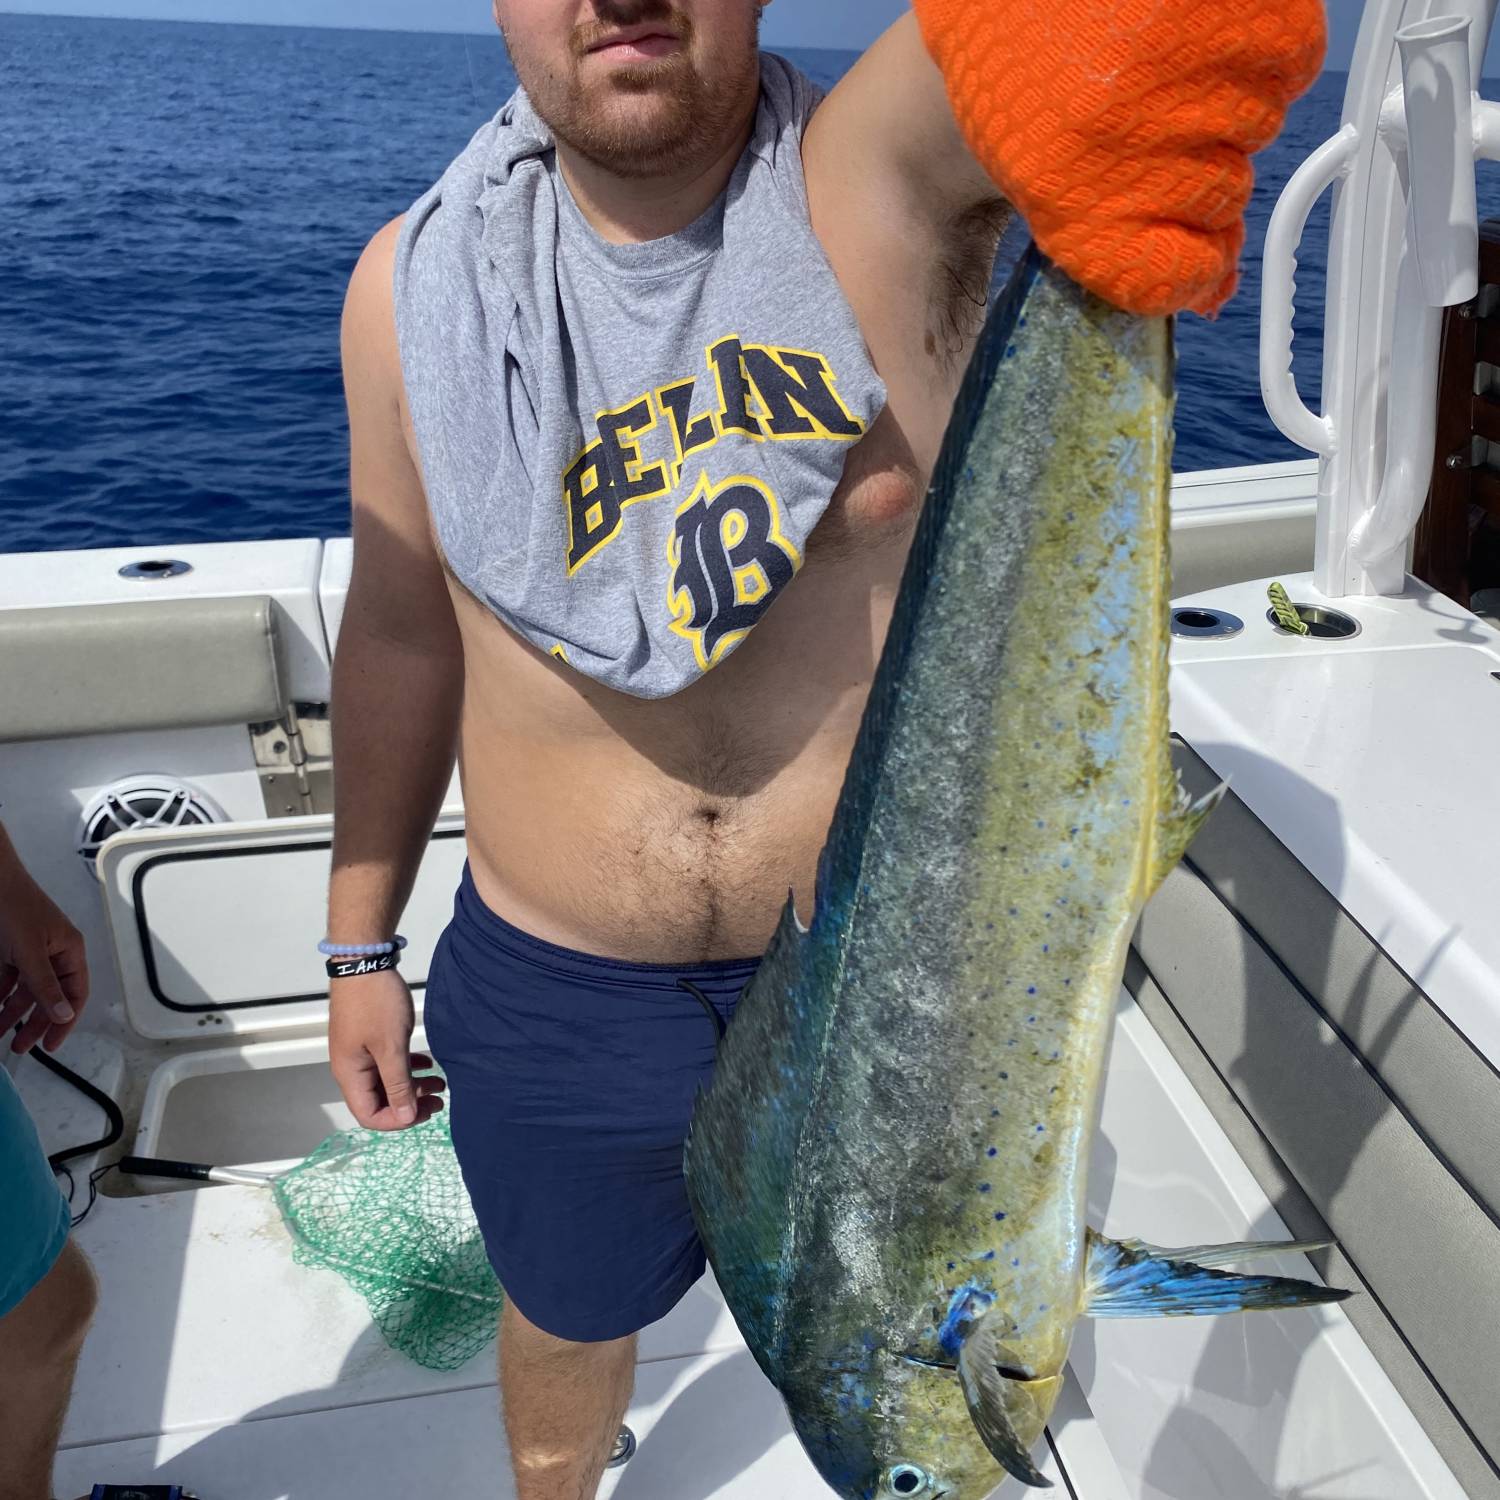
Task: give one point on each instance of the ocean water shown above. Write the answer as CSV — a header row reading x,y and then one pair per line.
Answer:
x,y
180,208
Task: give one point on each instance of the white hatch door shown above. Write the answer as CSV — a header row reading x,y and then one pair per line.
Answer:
x,y
216,928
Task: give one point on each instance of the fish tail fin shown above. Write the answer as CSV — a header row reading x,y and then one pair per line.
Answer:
x,y
1127,1279
1177,824
990,1396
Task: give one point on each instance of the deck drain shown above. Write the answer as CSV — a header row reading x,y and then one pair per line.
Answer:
x,y
624,1450
1325,624
1193,622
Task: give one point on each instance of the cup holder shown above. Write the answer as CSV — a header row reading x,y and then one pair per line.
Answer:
x,y
1196,623
151,569
1322,623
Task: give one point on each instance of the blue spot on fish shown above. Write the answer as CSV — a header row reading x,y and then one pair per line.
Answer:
x,y
1003,1075
1015,1262
1040,1129
988,1255
993,1151
984,1187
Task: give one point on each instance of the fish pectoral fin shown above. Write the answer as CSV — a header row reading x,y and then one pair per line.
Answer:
x,y
1128,1279
1177,825
990,1398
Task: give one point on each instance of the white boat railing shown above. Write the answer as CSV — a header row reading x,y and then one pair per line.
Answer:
x,y
1403,244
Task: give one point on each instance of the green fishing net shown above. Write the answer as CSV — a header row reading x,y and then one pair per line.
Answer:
x,y
388,1211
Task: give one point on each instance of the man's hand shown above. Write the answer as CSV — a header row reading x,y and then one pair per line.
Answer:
x,y
44,972
370,1023
1123,129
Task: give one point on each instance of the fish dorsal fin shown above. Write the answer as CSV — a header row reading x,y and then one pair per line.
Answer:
x,y
1127,1279
1177,823
987,1393
742,1148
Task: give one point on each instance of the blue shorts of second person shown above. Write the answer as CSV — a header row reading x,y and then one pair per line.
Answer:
x,y
34,1216
571,1081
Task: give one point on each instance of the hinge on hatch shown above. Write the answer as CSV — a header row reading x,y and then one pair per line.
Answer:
x,y
294,757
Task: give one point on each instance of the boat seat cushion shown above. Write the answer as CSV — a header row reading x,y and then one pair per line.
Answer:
x,y
117,668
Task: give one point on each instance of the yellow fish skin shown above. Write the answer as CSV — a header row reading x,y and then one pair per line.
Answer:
x,y
889,1169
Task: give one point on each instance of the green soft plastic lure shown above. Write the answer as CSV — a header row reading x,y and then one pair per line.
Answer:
x,y
1285,611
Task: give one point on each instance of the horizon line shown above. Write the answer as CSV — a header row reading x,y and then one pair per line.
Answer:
x,y
490,31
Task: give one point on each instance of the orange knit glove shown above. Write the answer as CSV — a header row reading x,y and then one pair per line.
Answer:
x,y
1122,129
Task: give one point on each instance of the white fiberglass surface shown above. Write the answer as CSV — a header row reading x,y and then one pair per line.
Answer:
x,y
210,922
287,570
709,1428
1286,1403
1372,760
265,1106
221,1334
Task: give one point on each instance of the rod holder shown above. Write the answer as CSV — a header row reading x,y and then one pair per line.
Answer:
x,y
1444,220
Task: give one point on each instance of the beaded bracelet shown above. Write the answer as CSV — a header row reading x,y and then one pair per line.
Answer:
x,y
361,950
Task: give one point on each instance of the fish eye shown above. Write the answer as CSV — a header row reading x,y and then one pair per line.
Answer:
x,y
908,1479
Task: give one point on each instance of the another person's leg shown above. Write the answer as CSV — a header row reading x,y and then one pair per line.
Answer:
x,y
47,1297
571,1082
40,1342
563,1405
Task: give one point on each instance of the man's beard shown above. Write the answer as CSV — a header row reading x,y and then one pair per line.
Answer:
x,y
653,118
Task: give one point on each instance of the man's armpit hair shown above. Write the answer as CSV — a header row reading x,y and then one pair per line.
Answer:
x,y
961,279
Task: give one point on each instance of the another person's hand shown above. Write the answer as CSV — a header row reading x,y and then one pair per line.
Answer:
x,y
44,972
1123,129
370,1022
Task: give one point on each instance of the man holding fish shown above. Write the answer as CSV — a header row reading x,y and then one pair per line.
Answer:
x,y
672,342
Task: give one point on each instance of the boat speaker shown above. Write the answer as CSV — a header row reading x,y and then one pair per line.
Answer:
x,y
148,801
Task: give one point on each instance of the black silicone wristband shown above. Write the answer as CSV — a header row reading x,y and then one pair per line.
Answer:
x,y
352,968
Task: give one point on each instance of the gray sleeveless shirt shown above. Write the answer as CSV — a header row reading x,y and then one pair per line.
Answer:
x,y
626,446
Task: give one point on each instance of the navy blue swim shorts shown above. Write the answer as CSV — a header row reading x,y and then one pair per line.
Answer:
x,y
571,1081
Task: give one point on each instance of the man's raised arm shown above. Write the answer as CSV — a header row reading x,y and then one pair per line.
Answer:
x,y
397,691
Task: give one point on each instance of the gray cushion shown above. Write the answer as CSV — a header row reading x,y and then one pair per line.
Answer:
x,y
113,668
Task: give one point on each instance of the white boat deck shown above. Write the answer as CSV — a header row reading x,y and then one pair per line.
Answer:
x,y
219,1364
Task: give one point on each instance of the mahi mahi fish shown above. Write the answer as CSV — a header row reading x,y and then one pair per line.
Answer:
x,y
888,1170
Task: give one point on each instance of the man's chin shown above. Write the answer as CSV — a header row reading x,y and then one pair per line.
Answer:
x,y
638,133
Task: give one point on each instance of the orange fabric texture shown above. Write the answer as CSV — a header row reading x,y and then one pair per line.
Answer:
x,y
1122,129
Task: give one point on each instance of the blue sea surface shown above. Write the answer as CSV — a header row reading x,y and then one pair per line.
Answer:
x,y
180,208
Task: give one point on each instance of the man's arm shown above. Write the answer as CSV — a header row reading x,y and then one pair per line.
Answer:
x,y
1124,137
44,973
910,222
397,691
